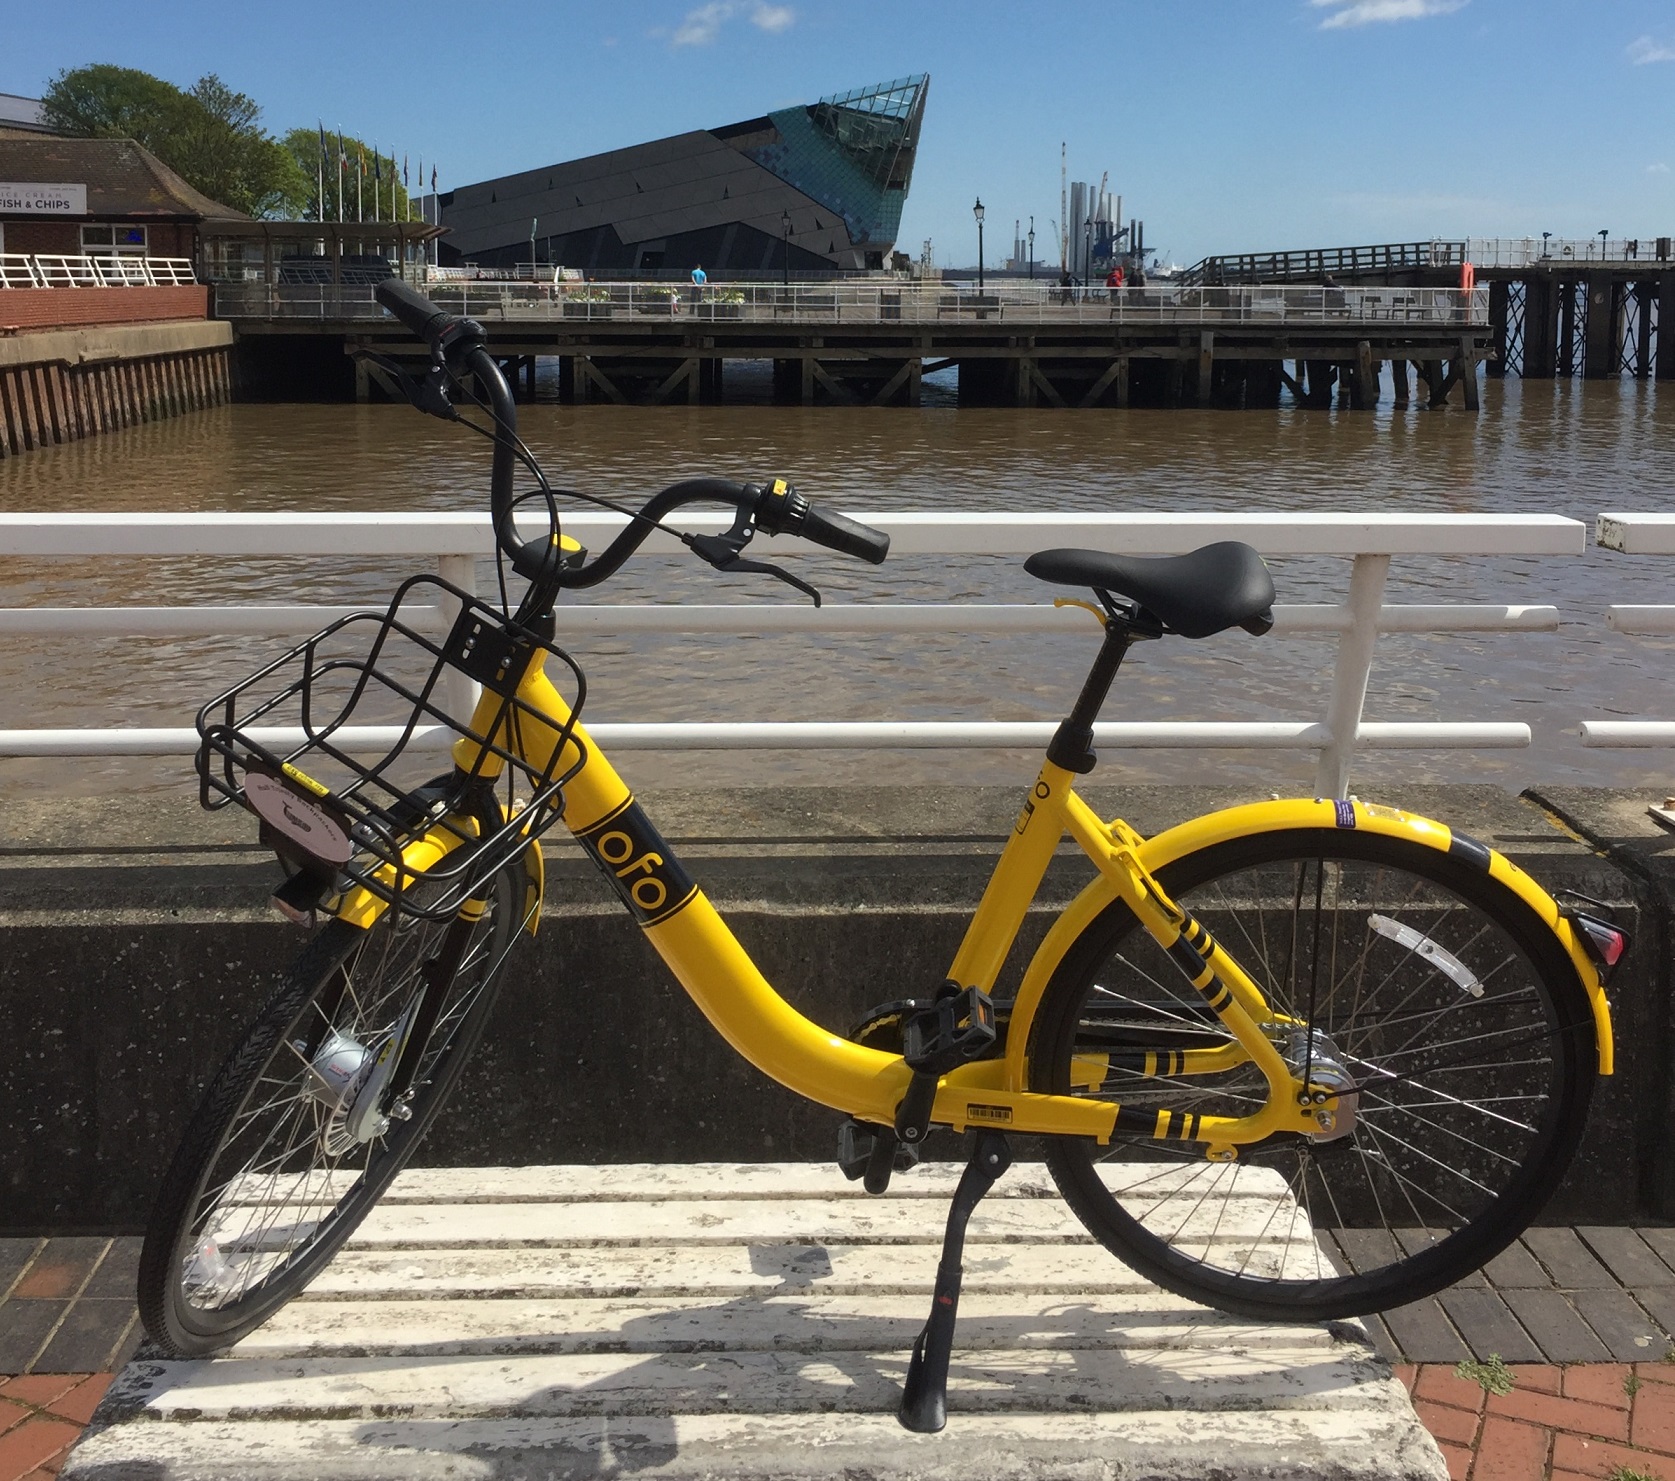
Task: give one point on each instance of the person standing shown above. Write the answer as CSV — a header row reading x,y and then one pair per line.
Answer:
x,y
1113,282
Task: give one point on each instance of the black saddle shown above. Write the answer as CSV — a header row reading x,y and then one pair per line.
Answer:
x,y
1208,591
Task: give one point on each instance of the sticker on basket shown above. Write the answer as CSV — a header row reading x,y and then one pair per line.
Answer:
x,y
307,823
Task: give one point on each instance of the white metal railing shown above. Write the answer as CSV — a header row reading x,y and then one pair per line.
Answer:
x,y
1635,534
455,541
94,270
1562,251
868,302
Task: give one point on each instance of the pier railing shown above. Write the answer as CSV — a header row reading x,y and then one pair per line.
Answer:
x,y
94,270
1635,534
1559,252
878,303
454,542
1311,264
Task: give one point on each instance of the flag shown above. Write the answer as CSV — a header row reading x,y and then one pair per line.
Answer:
x,y
404,170
433,177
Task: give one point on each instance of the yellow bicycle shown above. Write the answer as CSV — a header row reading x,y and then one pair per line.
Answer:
x,y
1279,1019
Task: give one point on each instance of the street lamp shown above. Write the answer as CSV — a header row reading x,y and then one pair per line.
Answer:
x,y
785,248
977,211
1544,237
1032,248
1603,233
1087,251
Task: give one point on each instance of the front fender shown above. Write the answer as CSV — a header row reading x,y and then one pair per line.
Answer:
x,y
1275,817
360,907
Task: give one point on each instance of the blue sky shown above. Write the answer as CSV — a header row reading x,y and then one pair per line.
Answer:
x,y
1227,124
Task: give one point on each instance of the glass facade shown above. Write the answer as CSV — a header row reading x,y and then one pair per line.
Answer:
x,y
853,152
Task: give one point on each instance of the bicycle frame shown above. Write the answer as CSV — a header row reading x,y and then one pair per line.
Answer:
x,y
869,1084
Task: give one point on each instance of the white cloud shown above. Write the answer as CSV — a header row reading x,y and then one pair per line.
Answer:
x,y
1660,168
1643,50
1367,12
701,26
773,18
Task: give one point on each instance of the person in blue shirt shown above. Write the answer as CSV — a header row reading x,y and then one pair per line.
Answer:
x,y
699,276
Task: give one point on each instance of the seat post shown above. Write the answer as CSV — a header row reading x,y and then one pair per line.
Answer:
x,y
1072,743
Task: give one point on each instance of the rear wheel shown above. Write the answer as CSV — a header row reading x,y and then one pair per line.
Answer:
x,y
1432,990
302,1128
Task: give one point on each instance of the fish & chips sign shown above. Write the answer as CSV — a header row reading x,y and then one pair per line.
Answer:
x,y
36,199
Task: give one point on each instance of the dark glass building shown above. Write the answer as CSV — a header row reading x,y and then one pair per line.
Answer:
x,y
817,186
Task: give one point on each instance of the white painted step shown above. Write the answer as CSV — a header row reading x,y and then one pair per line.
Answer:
x,y
1176,1445
837,1323
750,1322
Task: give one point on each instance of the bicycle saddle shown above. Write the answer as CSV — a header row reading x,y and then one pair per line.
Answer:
x,y
1207,591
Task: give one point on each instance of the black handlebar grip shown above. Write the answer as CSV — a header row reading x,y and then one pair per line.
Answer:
x,y
414,310
850,536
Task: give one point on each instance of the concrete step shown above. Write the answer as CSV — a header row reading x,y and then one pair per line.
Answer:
x,y
746,1321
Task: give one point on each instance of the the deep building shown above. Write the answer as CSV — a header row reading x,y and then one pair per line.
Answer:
x,y
815,186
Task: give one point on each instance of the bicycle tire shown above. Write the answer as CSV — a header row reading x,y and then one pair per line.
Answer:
x,y
236,1233
1475,1069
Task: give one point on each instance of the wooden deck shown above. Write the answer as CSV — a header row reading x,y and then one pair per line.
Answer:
x,y
744,1321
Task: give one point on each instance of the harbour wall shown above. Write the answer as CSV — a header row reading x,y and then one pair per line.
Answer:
x,y
61,384
136,944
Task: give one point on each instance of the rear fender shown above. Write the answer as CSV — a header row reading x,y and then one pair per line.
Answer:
x,y
1275,817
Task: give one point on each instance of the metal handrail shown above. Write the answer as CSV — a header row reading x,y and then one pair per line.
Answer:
x,y
94,270
1635,534
455,541
873,302
1564,252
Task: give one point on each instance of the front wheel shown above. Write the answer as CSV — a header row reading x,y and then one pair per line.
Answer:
x,y
304,1125
1430,989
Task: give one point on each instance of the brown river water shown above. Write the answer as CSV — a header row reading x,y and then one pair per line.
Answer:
x,y
1568,448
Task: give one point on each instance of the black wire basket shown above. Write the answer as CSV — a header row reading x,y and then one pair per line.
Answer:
x,y
335,747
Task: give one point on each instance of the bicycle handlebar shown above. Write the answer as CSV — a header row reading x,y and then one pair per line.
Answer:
x,y
776,509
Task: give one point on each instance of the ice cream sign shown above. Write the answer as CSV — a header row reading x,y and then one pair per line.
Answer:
x,y
29,198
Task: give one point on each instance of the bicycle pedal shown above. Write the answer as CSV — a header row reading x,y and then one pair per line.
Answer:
x,y
873,1153
959,1026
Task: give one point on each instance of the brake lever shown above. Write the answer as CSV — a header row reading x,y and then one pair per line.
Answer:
x,y
723,552
429,395
764,568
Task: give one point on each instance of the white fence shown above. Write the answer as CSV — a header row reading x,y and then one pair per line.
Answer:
x,y
869,302
95,270
454,542
1635,534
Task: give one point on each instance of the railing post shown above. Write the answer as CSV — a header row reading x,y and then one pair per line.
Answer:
x,y
1354,667
459,690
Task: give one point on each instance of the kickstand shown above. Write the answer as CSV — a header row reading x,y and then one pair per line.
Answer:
x,y
924,1396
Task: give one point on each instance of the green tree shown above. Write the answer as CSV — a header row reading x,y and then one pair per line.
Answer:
x,y
224,151
381,178
211,135
106,102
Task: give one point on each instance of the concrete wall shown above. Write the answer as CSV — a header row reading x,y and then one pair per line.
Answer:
x,y
129,965
60,385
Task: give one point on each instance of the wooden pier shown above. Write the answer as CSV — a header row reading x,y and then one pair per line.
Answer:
x,y
872,341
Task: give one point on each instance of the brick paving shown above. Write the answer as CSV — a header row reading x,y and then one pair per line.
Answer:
x,y
67,1305
41,1417
1600,1421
